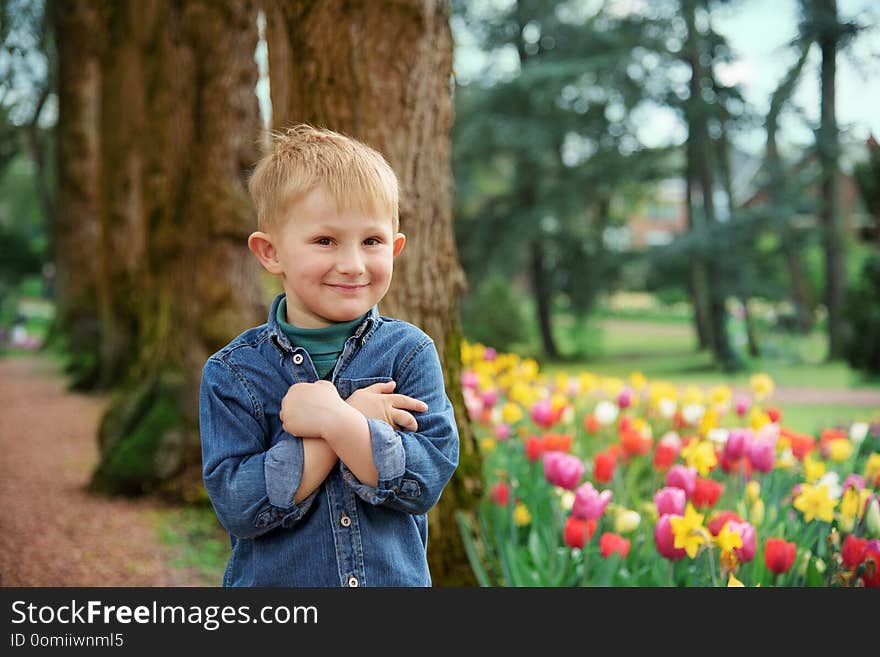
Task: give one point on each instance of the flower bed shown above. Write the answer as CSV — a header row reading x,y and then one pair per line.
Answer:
x,y
593,481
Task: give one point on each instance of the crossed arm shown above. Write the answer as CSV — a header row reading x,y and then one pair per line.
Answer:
x,y
336,429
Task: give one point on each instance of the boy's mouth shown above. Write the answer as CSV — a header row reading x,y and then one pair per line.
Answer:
x,y
344,287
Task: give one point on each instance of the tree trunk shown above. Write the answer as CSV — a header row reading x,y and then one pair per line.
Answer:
x,y
543,294
831,213
381,72
78,28
183,202
698,285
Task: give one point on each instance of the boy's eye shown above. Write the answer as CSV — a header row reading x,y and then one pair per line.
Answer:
x,y
372,241
324,241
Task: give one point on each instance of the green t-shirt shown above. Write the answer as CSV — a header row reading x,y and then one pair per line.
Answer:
x,y
324,344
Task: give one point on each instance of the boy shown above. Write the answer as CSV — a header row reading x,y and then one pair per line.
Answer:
x,y
326,432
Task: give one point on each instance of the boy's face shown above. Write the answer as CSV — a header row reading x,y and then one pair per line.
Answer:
x,y
335,264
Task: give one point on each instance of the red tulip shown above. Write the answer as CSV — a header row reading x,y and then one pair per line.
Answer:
x,y
779,555
664,455
706,493
500,494
557,442
853,551
577,531
534,448
603,467
719,519
871,576
609,543
664,539
774,414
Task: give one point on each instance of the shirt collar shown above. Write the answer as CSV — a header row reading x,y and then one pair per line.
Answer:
x,y
282,342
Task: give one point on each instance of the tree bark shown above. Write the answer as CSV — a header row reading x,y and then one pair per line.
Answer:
x,y
543,294
78,27
381,73
177,226
831,213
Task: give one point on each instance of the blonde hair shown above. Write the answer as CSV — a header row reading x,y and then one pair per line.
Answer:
x,y
303,157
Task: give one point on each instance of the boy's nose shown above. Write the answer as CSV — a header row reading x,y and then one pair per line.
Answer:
x,y
350,261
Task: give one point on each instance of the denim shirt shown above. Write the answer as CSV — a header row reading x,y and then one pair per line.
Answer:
x,y
345,533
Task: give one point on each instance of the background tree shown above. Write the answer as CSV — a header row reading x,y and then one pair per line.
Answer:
x,y
159,130
329,66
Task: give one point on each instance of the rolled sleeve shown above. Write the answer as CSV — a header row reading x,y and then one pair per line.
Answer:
x,y
251,488
413,466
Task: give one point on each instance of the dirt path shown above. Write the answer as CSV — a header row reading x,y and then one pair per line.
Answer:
x,y
53,532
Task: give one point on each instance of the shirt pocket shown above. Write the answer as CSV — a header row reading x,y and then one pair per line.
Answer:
x,y
347,386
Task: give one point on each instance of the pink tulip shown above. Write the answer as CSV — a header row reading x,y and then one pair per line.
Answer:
x,y
563,469
624,399
489,398
742,405
664,539
489,354
589,504
854,480
680,476
542,413
502,431
671,440
469,380
762,455
747,533
737,444
670,501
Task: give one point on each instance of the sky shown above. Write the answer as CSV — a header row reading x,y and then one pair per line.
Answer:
x,y
759,32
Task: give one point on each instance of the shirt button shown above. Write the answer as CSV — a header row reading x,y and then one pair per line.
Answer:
x,y
353,581
345,520
297,359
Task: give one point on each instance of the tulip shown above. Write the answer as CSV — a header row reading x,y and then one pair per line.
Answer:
x,y
603,467
502,431
742,405
591,423
858,432
490,354
624,399
853,551
762,455
872,517
534,448
737,443
578,531
756,515
605,412
664,539
500,494
489,397
774,414
626,521
719,519
542,413
779,555
670,501
664,455
749,540
589,504
855,481
871,576
706,492
562,469
682,477
469,380
610,543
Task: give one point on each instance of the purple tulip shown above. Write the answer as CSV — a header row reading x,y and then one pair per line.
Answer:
x,y
737,444
589,504
624,399
670,501
563,469
762,454
680,476
747,533
664,539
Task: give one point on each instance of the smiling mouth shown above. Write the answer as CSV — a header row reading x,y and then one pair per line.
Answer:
x,y
342,286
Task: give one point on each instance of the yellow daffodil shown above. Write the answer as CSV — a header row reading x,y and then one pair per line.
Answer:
x,y
852,506
814,502
611,386
758,418
700,454
529,368
761,385
734,583
813,469
692,395
521,515
587,382
720,397
840,450
728,540
709,421
688,531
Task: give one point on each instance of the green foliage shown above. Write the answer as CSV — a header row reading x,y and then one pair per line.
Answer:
x,y
198,545
862,313
494,314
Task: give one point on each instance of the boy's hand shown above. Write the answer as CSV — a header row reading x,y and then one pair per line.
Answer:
x,y
377,402
307,408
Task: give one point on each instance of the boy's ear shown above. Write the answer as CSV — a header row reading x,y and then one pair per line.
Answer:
x,y
260,244
399,241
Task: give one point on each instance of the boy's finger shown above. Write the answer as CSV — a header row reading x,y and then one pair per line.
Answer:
x,y
410,403
383,386
404,420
